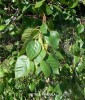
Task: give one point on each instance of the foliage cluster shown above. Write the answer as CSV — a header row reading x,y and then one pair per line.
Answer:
x,y
42,48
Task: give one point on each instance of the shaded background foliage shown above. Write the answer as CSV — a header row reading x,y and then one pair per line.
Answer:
x,y
42,48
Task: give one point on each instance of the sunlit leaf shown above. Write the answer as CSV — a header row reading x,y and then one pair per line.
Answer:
x,y
2,27
39,3
26,33
73,4
40,57
80,67
48,10
43,28
22,67
1,72
83,2
76,59
33,49
32,86
80,28
54,35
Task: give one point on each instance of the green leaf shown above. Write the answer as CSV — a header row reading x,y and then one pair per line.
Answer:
x,y
37,71
2,11
50,89
84,91
58,91
54,39
63,1
33,49
1,72
26,33
22,67
0,1
25,8
43,28
53,63
39,3
75,48
83,2
45,68
59,55
29,33
76,59
22,51
73,4
14,0
1,88
58,8
2,27
46,38
12,33
50,24
80,28
32,67
40,57
48,10
80,67
32,86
